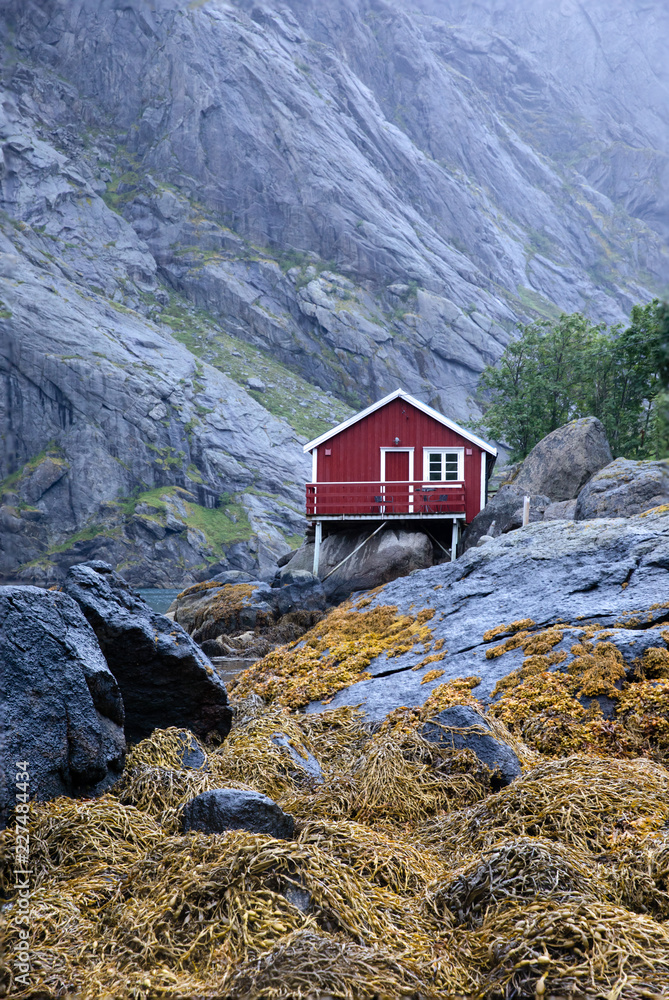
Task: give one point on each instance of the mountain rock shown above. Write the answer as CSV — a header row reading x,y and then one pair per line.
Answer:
x,y
165,679
225,226
624,488
606,572
62,707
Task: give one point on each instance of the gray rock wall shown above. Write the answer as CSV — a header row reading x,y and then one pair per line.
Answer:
x,y
326,199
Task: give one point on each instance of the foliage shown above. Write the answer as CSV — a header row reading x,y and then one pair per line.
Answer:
x,y
570,368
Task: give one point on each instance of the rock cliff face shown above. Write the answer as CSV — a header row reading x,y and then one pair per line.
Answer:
x,y
223,224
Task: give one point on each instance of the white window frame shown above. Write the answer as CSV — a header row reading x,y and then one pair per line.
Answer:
x,y
443,482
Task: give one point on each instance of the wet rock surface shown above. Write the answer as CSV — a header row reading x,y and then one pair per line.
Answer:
x,y
463,728
61,705
607,572
164,677
236,809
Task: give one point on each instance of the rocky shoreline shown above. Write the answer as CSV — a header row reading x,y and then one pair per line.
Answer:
x,y
455,784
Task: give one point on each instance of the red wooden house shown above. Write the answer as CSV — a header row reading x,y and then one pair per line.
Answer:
x,y
398,460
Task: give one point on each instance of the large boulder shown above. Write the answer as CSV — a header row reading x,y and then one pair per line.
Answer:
x,y
624,488
247,620
61,705
164,677
462,728
612,573
503,513
562,463
224,809
391,553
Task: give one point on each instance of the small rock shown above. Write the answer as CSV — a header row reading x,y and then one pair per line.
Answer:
x,y
503,513
308,764
192,756
563,510
446,730
483,539
257,384
236,809
299,590
299,898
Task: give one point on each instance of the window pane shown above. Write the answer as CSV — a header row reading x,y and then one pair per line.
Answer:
x,y
451,466
435,466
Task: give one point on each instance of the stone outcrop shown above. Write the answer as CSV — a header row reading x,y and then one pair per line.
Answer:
x,y
225,809
610,572
562,463
462,728
554,473
164,678
247,620
62,710
503,513
624,488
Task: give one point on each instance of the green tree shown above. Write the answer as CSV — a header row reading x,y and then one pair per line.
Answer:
x,y
556,372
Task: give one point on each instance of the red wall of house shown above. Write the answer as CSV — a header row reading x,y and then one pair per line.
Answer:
x,y
356,455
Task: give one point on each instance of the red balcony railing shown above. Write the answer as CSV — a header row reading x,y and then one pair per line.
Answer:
x,y
385,499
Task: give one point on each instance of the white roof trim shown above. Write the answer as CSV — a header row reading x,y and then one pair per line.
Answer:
x,y
400,393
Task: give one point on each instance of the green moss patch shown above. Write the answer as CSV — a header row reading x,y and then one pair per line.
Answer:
x,y
307,409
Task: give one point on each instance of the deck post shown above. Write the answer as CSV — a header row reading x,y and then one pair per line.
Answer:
x,y
317,545
454,539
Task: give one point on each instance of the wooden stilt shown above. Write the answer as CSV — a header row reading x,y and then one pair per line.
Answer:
x,y
317,545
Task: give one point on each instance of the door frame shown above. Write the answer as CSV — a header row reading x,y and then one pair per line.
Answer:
x,y
411,471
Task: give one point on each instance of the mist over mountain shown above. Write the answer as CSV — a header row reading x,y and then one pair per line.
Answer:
x,y
225,225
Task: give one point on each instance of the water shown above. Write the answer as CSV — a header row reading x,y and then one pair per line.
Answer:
x,y
159,599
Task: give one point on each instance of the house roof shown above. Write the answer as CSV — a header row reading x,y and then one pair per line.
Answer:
x,y
401,394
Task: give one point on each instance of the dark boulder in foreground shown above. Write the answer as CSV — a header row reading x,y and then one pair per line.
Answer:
x,y
236,809
461,727
62,708
164,677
